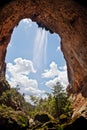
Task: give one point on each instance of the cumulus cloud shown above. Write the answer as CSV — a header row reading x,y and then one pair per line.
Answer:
x,y
56,75
18,74
52,72
21,66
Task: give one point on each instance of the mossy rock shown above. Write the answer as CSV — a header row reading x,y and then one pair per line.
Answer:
x,y
4,86
61,127
63,118
43,117
12,98
50,125
12,120
36,127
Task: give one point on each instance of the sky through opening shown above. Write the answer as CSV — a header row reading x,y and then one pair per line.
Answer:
x,y
34,60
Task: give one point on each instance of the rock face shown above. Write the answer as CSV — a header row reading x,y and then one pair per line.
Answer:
x,y
66,18
43,118
79,124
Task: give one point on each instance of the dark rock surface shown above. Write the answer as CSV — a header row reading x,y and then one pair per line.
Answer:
x,y
78,124
43,118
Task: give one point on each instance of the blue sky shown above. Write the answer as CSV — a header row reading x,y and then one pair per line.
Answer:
x,y
34,60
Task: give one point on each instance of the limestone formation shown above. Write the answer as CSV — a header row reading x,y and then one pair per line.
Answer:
x,y
66,18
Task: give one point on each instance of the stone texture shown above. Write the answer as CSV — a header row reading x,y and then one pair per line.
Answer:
x,y
79,124
66,18
79,104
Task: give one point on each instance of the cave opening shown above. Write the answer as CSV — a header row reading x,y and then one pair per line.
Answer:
x,y
34,60
64,19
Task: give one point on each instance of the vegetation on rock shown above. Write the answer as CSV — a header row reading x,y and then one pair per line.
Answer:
x,y
11,119
53,112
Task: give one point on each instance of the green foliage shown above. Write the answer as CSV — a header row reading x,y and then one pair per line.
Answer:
x,y
5,111
61,127
63,116
50,125
14,108
11,116
56,104
14,99
34,99
61,103
22,120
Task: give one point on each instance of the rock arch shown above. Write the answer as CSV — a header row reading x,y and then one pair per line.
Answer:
x,y
67,18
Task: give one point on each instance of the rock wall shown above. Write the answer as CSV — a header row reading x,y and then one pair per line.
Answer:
x,y
66,18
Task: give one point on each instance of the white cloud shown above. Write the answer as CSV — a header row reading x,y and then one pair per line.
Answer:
x,y
52,72
56,75
62,78
28,99
52,82
18,74
27,21
22,66
63,67
58,48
